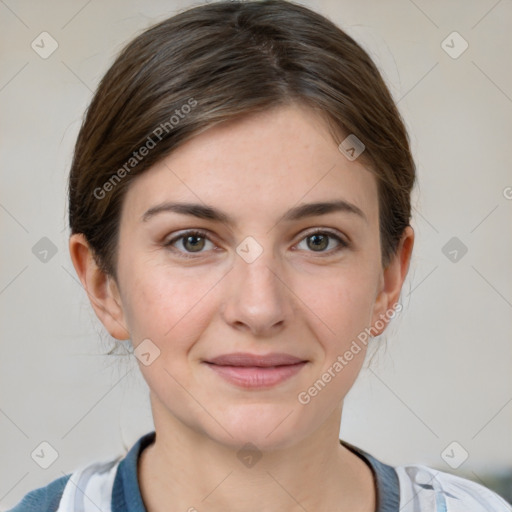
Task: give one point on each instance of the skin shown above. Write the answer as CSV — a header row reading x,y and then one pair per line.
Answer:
x,y
295,298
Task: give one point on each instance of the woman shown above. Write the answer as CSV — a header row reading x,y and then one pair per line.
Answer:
x,y
239,204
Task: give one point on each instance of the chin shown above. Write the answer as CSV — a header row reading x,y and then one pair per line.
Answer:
x,y
268,427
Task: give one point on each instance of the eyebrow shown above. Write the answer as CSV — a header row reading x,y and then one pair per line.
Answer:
x,y
296,213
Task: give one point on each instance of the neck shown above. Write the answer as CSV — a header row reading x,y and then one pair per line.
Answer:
x,y
187,470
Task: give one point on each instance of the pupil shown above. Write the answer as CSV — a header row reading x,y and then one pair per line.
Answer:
x,y
196,246
322,238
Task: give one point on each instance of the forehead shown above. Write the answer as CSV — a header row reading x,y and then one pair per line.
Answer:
x,y
264,163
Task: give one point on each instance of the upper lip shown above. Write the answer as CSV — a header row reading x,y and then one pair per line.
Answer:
x,y
247,359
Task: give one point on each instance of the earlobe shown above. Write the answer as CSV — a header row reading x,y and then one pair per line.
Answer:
x,y
392,280
100,288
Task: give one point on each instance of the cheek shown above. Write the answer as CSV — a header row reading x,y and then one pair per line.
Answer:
x,y
168,306
347,315
171,310
339,307
339,301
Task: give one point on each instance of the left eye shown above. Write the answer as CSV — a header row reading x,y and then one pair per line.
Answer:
x,y
194,242
320,240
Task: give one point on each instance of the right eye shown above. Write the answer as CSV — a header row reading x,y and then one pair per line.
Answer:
x,y
192,241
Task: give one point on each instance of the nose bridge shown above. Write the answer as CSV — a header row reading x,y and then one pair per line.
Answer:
x,y
259,298
257,268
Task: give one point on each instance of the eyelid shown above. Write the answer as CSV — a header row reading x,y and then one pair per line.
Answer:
x,y
343,242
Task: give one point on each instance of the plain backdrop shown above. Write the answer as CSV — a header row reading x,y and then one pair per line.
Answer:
x,y
443,372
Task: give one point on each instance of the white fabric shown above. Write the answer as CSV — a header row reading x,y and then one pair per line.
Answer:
x,y
89,489
425,489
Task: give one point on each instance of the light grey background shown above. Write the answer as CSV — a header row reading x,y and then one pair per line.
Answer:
x,y
446,373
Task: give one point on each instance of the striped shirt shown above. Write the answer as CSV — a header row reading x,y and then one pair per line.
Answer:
x,y
113,486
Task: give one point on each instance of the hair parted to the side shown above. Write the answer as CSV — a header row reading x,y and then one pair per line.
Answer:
x,y
211,64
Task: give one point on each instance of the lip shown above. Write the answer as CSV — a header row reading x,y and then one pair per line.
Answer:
x,y
247,359
256,371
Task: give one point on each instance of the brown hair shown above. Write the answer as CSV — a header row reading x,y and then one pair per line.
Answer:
x,y
215,62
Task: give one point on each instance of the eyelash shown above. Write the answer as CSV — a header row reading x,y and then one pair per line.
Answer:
x,y
203,234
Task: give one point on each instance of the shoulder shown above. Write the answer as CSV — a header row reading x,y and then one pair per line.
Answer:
x,y
43,499
425,488
105,483
92,482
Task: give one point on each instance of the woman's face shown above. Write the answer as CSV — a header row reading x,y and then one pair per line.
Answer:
x,y
261,282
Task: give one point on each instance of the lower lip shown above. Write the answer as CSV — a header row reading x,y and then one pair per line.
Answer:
x,y
256,377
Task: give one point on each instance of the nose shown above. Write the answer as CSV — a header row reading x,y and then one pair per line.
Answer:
x,y
259,299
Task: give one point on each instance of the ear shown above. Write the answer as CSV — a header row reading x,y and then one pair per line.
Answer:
x,y
101,289
392,279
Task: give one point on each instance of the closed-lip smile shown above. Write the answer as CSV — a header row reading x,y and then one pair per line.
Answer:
x,y
248,370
